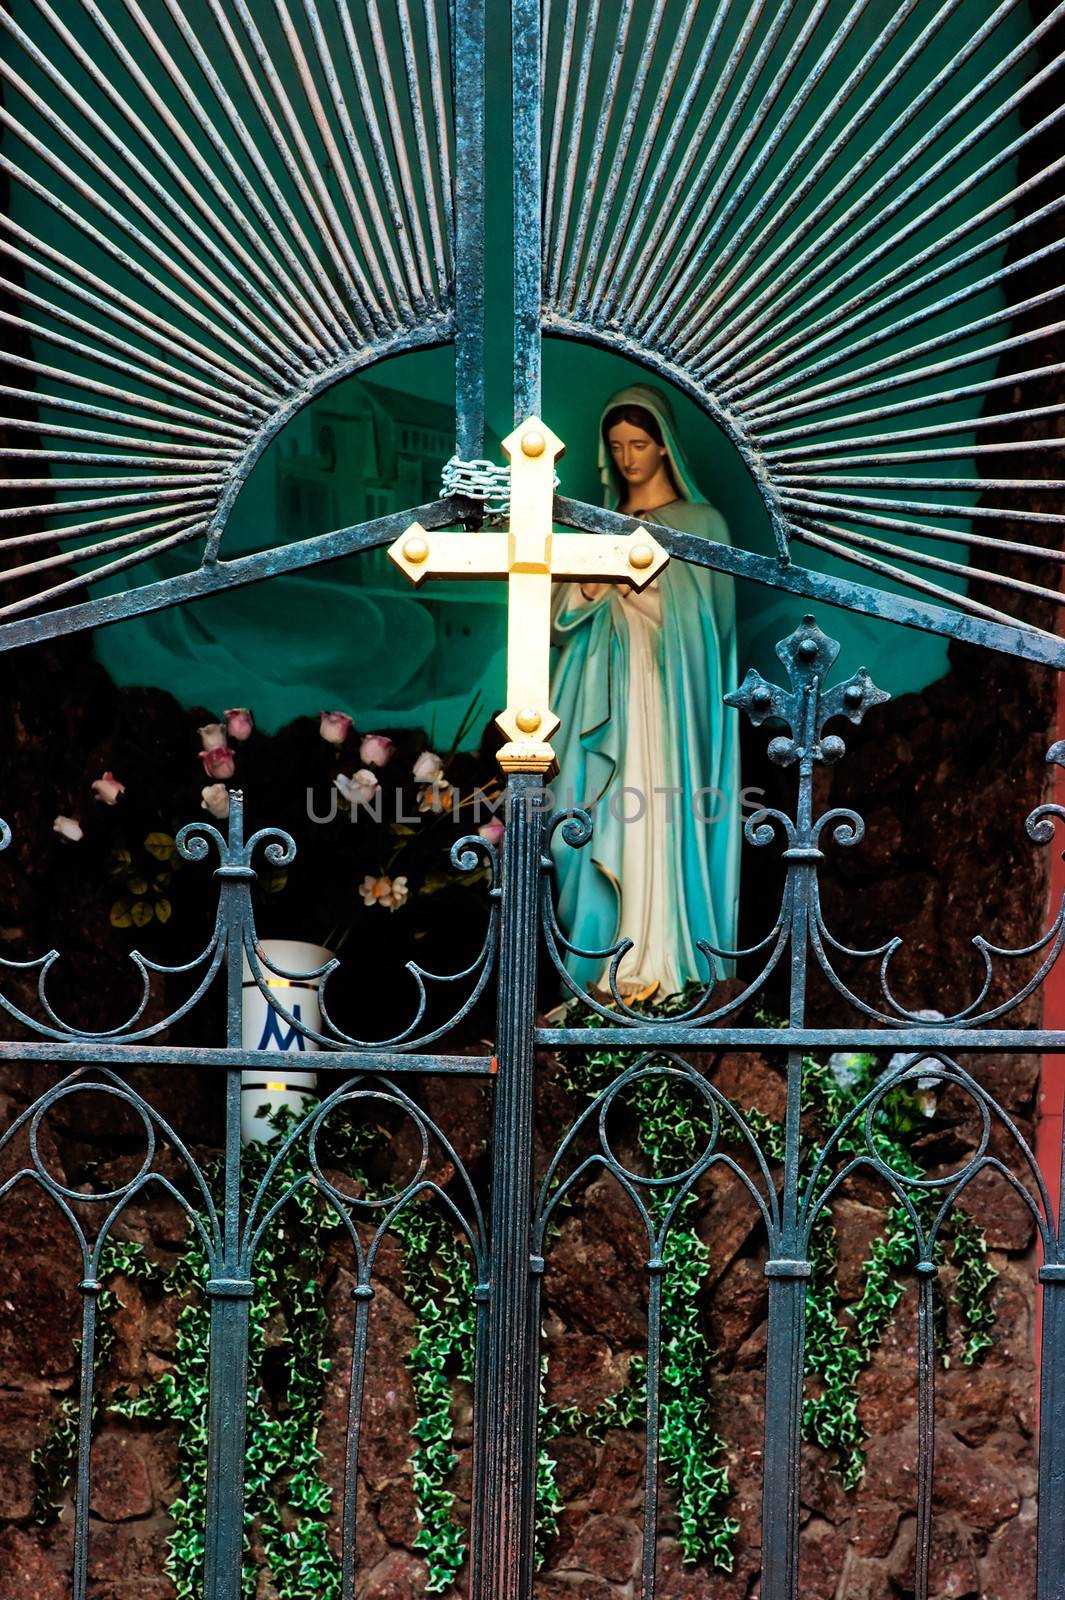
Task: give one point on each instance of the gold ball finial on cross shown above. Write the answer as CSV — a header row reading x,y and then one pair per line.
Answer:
x,y
416,549
531,555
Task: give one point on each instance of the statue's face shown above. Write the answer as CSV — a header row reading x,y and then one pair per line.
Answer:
x,y
636,455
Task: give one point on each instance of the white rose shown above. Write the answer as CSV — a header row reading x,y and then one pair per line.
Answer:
x,y
215,799
358,789
428,767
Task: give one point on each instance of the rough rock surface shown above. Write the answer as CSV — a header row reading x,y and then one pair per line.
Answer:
x,y
953,805
944,780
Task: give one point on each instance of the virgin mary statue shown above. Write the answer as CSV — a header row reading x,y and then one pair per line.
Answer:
x,y
645,741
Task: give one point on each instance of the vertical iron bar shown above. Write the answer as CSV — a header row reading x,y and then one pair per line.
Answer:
x,y
788,1269
363,1295
788,1275
227,1417
531,1420
230,1290
513,1355
480,1435
1051,1570
655,1269
469,84
528,224
783,1414
90,1289
926,1424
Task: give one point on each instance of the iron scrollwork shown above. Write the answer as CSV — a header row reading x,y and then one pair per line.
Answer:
x,y
809,1180
789,1189
804,708
233,933
658,1199
91,1216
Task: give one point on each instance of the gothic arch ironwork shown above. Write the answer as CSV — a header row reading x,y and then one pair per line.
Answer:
x,y
247,280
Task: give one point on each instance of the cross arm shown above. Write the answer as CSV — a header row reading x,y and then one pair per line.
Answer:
x,y
531,556
424,555
635,558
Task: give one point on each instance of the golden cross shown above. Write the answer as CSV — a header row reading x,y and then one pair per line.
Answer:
x,y
531,557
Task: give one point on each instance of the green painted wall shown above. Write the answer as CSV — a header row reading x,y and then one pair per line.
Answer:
x,y
332,638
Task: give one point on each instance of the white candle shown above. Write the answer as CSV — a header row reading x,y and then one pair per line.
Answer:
x,y
279,1083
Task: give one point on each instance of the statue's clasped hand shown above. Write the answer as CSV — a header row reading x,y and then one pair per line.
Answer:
x,y
595,591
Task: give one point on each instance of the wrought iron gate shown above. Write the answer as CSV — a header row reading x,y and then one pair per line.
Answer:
x,y
234,238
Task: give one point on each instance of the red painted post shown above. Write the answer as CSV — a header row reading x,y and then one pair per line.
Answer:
x,y
1051,1107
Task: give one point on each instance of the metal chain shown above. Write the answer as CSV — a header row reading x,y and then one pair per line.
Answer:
x,y
479,480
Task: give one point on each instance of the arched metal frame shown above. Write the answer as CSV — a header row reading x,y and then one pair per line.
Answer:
x,y
405,241
434,291
798,484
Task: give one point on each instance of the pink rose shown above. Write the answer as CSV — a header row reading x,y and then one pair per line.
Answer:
x,y
492,830
214,797
333,726
68,828
239,723
212,736
218,761
108,788
376,750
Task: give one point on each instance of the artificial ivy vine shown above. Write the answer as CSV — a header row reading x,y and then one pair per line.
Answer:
x,y
837,1351
671,1137
285,1499
840,1340
287,1502
439,1280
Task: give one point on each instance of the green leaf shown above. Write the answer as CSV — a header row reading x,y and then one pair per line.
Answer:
x,y
120,914
163,910
118,861
436,879
141,913
160,845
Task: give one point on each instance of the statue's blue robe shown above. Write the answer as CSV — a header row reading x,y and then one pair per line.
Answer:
x,y
590,689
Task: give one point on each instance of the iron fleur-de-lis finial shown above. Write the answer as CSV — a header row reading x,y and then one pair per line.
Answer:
x,y
807,706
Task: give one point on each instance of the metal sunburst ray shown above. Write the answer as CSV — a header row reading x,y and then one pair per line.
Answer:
x,y
838,228
213,212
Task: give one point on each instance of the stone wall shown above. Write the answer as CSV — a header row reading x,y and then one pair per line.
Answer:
x,y
945,780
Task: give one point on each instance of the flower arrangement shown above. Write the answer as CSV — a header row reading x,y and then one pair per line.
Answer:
x,y
374,814
403,804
